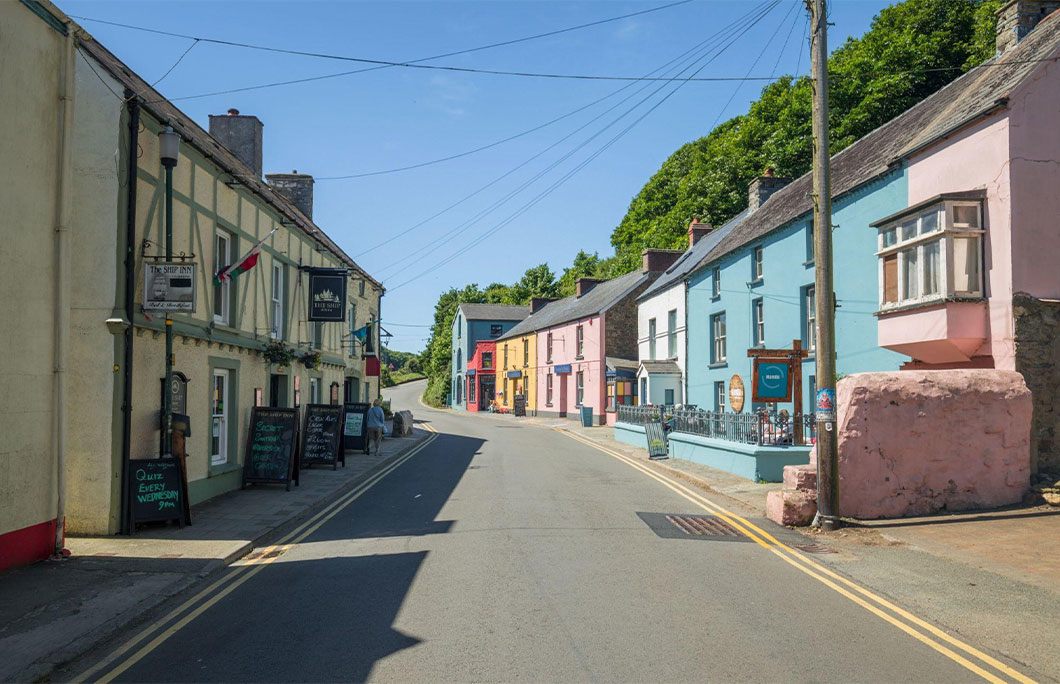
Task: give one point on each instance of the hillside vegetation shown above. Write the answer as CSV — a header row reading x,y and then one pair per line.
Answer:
x,y
911,50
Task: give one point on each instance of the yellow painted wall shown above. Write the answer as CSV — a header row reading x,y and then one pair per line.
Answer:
x,y
520,362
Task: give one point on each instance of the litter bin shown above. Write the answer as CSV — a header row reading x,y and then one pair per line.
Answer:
x,y
587,416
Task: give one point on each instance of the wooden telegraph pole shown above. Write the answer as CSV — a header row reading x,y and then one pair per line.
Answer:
x,y
824,295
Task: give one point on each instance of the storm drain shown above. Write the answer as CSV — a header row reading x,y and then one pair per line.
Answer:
x,y
681,526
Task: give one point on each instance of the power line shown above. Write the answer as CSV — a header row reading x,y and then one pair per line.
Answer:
x,y
498,179
589,159
425,249
180,59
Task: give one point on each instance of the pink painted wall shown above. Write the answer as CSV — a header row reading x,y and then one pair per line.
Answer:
x,y
564,347
978,158
919,442
1035,172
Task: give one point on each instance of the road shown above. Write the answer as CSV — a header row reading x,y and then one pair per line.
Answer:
x,y
503,551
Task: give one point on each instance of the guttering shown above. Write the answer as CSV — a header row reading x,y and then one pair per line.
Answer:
x,y
130,313
62,289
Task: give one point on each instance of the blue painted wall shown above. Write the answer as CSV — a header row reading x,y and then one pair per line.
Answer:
x,y
787,270
465,335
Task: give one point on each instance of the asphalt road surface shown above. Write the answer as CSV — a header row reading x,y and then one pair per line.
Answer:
x,y
503,551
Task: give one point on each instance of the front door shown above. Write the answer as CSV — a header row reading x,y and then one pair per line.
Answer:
x,y
562,395
487,392
278,391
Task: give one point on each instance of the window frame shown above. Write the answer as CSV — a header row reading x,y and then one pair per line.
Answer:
x,y
579,337
809,318
715,283
223,290
719,396
719,352
526,352
579,388
671,334
487,360
548,389
278,304
757,264
895,247
220,456
652,328
758,323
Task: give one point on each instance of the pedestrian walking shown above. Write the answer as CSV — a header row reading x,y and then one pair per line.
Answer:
x,y
376,423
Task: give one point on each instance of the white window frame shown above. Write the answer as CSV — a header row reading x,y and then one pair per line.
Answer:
x,y
652,328
548,347
718,338
809,298
579,336
219,421
671,334
719,396
579,388
276,331
757,263
758,313
890,241
715,279
548,389
222,258
314,391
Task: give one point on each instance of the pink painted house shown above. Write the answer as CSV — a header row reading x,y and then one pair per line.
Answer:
x,y
969,272
587,343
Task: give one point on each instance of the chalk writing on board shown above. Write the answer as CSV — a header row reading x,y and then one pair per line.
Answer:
x,y
354,424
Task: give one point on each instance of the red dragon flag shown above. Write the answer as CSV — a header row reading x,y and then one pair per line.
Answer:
x,y
244,263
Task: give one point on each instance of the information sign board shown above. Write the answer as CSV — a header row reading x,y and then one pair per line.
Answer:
x,y
272,442
169,286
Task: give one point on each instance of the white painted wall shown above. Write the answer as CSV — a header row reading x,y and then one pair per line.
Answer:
x,y
658,307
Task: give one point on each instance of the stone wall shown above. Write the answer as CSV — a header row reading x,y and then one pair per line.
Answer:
x,y
1037,332
920,442
621,328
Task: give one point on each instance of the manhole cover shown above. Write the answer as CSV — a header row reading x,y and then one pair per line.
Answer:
x,y
682,526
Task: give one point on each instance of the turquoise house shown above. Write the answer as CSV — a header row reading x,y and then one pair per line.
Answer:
x,y
474,322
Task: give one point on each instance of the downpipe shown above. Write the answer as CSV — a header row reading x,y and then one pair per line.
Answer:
x,y
62,290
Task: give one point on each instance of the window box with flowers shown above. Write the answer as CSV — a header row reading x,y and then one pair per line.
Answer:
x,y
278,353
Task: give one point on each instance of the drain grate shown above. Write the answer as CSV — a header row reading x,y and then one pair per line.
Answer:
x,y
681,526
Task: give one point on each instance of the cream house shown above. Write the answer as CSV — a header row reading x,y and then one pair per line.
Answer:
x,y
83,362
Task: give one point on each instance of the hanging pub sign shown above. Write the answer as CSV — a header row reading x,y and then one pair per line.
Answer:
x,y
169,286
327,294
772,380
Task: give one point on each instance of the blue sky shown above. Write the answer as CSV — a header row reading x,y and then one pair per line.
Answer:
x,y
396,117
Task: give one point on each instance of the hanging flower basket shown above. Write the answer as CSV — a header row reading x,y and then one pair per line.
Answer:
x,y
311,359
278,353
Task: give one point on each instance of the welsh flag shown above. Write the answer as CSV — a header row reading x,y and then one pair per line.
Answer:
x,y
244,263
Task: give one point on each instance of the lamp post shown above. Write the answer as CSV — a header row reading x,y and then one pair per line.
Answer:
x,y
168,152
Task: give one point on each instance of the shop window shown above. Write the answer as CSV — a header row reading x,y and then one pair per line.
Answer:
x,y
471,389
219,417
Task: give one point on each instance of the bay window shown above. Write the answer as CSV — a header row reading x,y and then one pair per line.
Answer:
x,y
933,254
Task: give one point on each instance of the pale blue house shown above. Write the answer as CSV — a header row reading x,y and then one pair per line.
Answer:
x,y
474,322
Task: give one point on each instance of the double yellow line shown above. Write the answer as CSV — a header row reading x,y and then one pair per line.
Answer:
x,y
924,632
239,573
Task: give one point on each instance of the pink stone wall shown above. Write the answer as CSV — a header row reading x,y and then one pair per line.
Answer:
x,y
919,442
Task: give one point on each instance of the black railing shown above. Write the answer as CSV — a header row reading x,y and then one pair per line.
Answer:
x,y
760,428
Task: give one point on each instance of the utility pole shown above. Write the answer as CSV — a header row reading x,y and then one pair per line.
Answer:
x,y
169,146
824,295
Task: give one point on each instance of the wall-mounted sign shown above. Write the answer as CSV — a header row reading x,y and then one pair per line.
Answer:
x,y
169,286
562,369
736,393
327,294
772,380
471,371
515,374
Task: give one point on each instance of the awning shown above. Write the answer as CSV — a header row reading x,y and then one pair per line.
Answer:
x,y
660,367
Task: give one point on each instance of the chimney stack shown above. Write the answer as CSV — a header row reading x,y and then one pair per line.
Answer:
x,y
697,231
762,188
583,285
538,303
1017,18
297,187
658,260
241,134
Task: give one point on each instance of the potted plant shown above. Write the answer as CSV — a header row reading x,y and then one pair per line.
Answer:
x,y
311,359
278,353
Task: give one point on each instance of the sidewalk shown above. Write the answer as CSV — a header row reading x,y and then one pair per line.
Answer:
x,y
52,612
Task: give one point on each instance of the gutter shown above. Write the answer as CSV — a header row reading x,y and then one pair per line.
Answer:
x,y
62,290
130,313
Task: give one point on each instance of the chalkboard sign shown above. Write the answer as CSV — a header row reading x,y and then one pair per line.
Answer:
x,y
272,441
156,490
355,427
322,435
519,408
656,437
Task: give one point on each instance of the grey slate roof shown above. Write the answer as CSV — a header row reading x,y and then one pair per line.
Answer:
x,y
661,367
967,98
691,259
191,133
597,300
494,312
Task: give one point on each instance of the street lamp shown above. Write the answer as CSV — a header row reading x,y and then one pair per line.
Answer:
x,y
168,152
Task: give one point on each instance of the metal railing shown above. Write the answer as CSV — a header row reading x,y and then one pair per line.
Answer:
x,y
761,427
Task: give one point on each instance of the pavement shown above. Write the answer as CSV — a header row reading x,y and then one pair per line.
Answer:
x,y
505,550
51,612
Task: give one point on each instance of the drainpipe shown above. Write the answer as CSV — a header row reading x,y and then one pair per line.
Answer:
x,y
130,291
62,289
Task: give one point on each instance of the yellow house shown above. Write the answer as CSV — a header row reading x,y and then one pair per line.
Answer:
x,y
517,371
84,207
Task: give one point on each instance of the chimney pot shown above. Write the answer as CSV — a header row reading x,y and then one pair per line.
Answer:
x,y
658,260
241,135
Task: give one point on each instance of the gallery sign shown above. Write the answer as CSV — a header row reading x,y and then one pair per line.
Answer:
x,y
327,294
169,286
